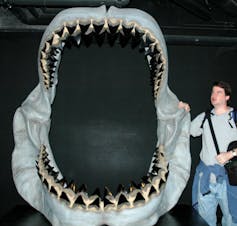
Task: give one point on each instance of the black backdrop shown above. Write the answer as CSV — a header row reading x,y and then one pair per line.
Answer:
x,y
103,122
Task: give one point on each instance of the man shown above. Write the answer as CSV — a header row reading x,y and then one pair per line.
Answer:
x,y
211,186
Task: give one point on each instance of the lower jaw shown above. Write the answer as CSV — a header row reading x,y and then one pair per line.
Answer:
x,y
77,198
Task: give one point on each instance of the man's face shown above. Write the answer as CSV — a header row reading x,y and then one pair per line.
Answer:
x,y
218,96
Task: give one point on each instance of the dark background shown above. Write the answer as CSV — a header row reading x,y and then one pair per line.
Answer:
x,y
103,122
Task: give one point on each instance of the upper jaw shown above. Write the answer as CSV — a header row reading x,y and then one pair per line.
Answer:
x,y
70,24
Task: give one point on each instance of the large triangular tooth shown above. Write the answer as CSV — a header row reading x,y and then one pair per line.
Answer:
x,y
122,200
105,26
53,191
133,190
64,197
50,181
162,174
43,55
56,40
153,191
59,32
58,188
71,196
47,47
95,202
77,30
86,199
120,27
109,200
65,33
44,65
153,46
80,201
71,28
145,191
135,195
140,199
107,192
90,29
156,182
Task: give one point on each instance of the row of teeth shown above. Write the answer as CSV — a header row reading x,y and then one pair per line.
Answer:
x,y
75,197
112,29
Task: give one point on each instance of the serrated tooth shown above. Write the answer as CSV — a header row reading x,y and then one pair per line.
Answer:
x,y
120,27
153,191
122,201
80,202
109,200
47,47
155,182
43,55
59,189
106,26
71,196
90,28
77,30
65,33
139,200
145,191
56,40
44,65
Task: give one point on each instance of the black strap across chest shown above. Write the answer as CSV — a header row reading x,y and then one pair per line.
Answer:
x,y
213,134
207,116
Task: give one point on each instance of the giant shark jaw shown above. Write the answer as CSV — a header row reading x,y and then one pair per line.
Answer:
x,y
35,172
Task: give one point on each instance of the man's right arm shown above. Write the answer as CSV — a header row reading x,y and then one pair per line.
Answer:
x,y
195,129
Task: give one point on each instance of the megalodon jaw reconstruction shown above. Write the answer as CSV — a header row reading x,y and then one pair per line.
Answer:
x,y
35,173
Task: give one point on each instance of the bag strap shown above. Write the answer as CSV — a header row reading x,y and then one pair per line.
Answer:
x,y
234,116
213,133
207,112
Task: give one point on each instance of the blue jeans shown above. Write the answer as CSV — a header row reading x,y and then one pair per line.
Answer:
x,y
207,204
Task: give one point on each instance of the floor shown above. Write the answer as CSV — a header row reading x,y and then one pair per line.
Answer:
x,y
181,215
